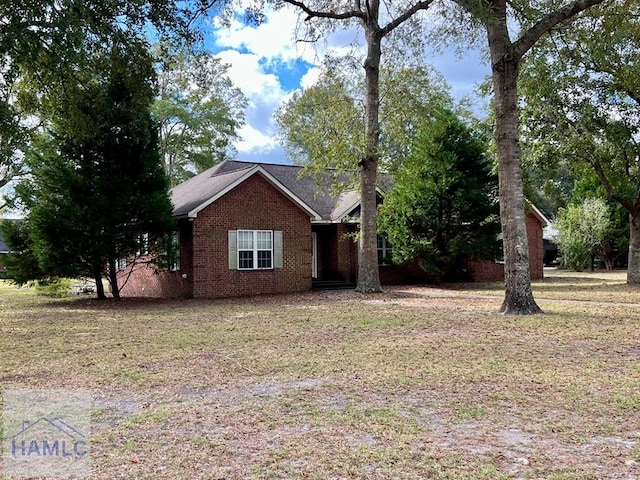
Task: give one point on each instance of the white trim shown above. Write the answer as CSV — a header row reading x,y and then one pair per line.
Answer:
x,y
175,265
539,214
386,248
255,250
274,181
314,255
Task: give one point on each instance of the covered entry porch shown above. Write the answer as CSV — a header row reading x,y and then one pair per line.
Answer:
x,y
334,255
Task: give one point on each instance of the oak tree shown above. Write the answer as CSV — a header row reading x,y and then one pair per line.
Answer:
x,y
199,111
376,20
583,107
530,21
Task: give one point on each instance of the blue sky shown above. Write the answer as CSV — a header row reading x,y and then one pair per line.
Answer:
x,y
268,66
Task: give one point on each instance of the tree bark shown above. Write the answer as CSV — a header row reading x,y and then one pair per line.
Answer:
x,y
633,268
97,276
368,272
113,278
505,63
368,14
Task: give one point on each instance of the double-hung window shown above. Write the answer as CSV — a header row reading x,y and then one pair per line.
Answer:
x,y
255,249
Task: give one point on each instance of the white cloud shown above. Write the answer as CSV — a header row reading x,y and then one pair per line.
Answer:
x,y
310,78
262,58
255,141
247,74
264,93
272,39
250,51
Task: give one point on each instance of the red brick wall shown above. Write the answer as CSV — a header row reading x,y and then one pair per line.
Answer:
x,y
347,251
148,280
253,205
536,247
485,271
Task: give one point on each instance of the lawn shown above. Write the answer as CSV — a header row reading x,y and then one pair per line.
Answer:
x,y
414,383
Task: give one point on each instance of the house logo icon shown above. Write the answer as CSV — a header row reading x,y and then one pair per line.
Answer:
x,y
48,438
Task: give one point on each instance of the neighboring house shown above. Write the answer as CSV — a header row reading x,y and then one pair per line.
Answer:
x,y
549,235
255,228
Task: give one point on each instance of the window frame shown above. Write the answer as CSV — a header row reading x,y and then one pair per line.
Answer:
x,y
384,246
255,256
174,266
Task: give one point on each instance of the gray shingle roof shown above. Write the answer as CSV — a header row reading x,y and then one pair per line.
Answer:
x,y
314,192
198,190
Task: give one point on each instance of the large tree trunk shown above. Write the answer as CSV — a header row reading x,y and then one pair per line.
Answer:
x,y
97,276
518,295
113,277
633,268
368,272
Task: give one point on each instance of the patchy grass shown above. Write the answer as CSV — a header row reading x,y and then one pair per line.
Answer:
x,y
598,286
414,383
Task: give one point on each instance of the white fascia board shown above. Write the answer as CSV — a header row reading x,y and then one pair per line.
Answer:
x,y
539,214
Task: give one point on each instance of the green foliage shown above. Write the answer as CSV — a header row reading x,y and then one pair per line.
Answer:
x,y
442,208
582,114
615,245
14,138
582,101
22,264
169,251
97,185
47,41
199,111
322,126
582,231
53,287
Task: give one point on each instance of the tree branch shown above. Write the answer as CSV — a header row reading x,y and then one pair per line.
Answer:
x,y
324,14
531,36
389,27
597,166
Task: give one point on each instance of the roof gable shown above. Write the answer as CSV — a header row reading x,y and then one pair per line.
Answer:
x,y
538,214
192,196
311,193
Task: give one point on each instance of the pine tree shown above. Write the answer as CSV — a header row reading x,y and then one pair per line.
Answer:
x,y
97,187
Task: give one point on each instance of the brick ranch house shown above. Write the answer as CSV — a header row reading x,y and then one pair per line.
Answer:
x,y
255,228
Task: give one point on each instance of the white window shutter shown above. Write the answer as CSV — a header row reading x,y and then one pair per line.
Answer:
x,y
233,250
278,261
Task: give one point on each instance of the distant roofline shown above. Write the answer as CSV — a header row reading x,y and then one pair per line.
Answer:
x,y
292,165
538,213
